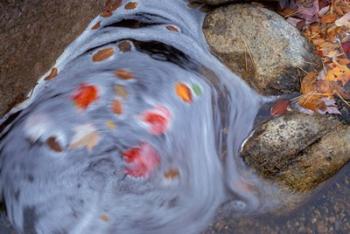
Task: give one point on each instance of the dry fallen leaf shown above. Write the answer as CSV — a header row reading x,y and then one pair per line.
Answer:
x,y
86,136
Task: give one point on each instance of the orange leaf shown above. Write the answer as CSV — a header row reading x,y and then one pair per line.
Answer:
x,y
308,83
183,92
327,19
124,74
117,107
312,102
340,73
85,96
102,54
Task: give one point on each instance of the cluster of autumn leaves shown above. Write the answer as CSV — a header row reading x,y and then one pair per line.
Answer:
x,y
326,24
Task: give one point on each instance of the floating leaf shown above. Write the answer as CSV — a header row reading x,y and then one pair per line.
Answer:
x,y
124,46
131,5
53,144
171,174
85,136
53,74
103,54
121,91
197,89
85,96
104,217
110,124
183,92
308,83
124,74
96,26
172,28
117,107
157,120
141,160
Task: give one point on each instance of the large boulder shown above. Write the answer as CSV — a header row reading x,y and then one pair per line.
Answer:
x,y
260,46
298,150
33,35
218,2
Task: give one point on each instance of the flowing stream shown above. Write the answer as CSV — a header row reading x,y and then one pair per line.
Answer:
x,y
138,132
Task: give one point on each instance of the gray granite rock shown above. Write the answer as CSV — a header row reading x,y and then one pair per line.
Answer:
x,y
259,45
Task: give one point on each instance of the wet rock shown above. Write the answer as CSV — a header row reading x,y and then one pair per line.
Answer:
x,y
33,34
259,45
298,150
218,2
319,162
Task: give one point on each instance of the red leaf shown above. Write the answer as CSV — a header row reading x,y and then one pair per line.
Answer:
x,y
346,48
85,96
157,119
141,160
280,107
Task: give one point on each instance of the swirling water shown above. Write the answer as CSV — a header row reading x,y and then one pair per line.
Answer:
x,y
136,129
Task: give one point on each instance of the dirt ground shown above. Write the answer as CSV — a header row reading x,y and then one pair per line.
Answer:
x,y
34,32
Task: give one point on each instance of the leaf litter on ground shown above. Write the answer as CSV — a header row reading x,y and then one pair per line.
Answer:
x,y
326,24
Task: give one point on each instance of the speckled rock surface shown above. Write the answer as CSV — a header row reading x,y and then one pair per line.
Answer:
x,y
258,44
33,34
298,150
218,2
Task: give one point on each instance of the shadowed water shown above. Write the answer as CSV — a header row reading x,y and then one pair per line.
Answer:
x,y
139,132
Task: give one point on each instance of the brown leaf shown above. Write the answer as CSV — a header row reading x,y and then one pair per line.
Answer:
x,y
103,54
171,174
124,46
130,5
124,74
96,26
53,74
54,144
